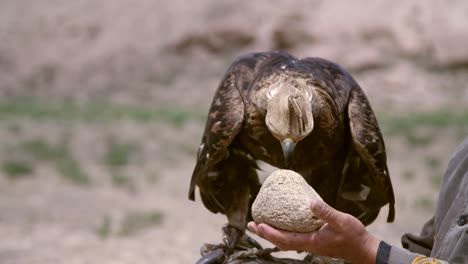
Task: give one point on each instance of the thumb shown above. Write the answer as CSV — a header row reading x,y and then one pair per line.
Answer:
x,y
325,212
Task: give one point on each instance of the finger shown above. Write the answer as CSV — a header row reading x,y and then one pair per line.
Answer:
x,y
283,239
326,213
252,226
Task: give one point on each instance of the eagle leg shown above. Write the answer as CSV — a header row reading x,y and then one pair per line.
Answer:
x,y
234,236
236,239
252,255
236,190
241,175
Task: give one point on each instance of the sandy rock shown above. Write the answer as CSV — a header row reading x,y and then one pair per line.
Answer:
x,y
283,202
290,33
215,40
449,48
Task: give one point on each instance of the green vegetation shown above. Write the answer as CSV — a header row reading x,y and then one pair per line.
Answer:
x,y
14,128
434,168
402,123
408,175
40,149
392,122
418,128
123,181
136,221
59,155
118,154
71,170
104,230
432,163
418,140
410,124
96,112
436,179
132,223
442,118
424,203
16,168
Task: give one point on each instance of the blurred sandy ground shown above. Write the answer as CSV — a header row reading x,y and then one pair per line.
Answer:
x,y
83,182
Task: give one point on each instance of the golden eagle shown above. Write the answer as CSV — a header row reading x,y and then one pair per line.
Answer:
x,y
308,115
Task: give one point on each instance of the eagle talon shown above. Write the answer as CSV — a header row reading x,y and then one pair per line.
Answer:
x,y
252,242
266,252
234,238
212,257
207,248
234,241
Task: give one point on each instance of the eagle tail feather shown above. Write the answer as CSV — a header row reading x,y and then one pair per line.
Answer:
x,y
391,213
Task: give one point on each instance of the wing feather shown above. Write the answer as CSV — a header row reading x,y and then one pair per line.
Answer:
x,y
225,119
368,142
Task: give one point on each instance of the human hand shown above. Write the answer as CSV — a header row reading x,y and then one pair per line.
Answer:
x,y
343,236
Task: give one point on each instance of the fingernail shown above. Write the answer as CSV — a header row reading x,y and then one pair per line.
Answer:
x,y
249,226
261,229
316,205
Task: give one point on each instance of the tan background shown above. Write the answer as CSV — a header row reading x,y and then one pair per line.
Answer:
x,y
102,107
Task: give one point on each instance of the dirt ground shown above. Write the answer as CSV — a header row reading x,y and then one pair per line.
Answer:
x,y
102,106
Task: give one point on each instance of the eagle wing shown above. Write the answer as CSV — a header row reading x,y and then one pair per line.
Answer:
x,y
224,122
365,184
368,144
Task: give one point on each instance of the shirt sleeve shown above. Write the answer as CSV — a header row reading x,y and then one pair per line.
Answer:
x,y
422,243
387,254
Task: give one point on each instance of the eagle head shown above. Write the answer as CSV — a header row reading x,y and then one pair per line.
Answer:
x,y
289,113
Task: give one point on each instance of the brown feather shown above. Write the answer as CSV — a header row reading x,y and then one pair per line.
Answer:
x,y
343,157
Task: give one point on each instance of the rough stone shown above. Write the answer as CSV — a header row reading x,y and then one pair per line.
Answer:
x,y
284,203
449,48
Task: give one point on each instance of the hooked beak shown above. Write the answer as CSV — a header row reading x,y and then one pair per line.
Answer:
x,y
288,146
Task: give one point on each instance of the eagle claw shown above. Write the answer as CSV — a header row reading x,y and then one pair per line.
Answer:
x,y
211,254
235,238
